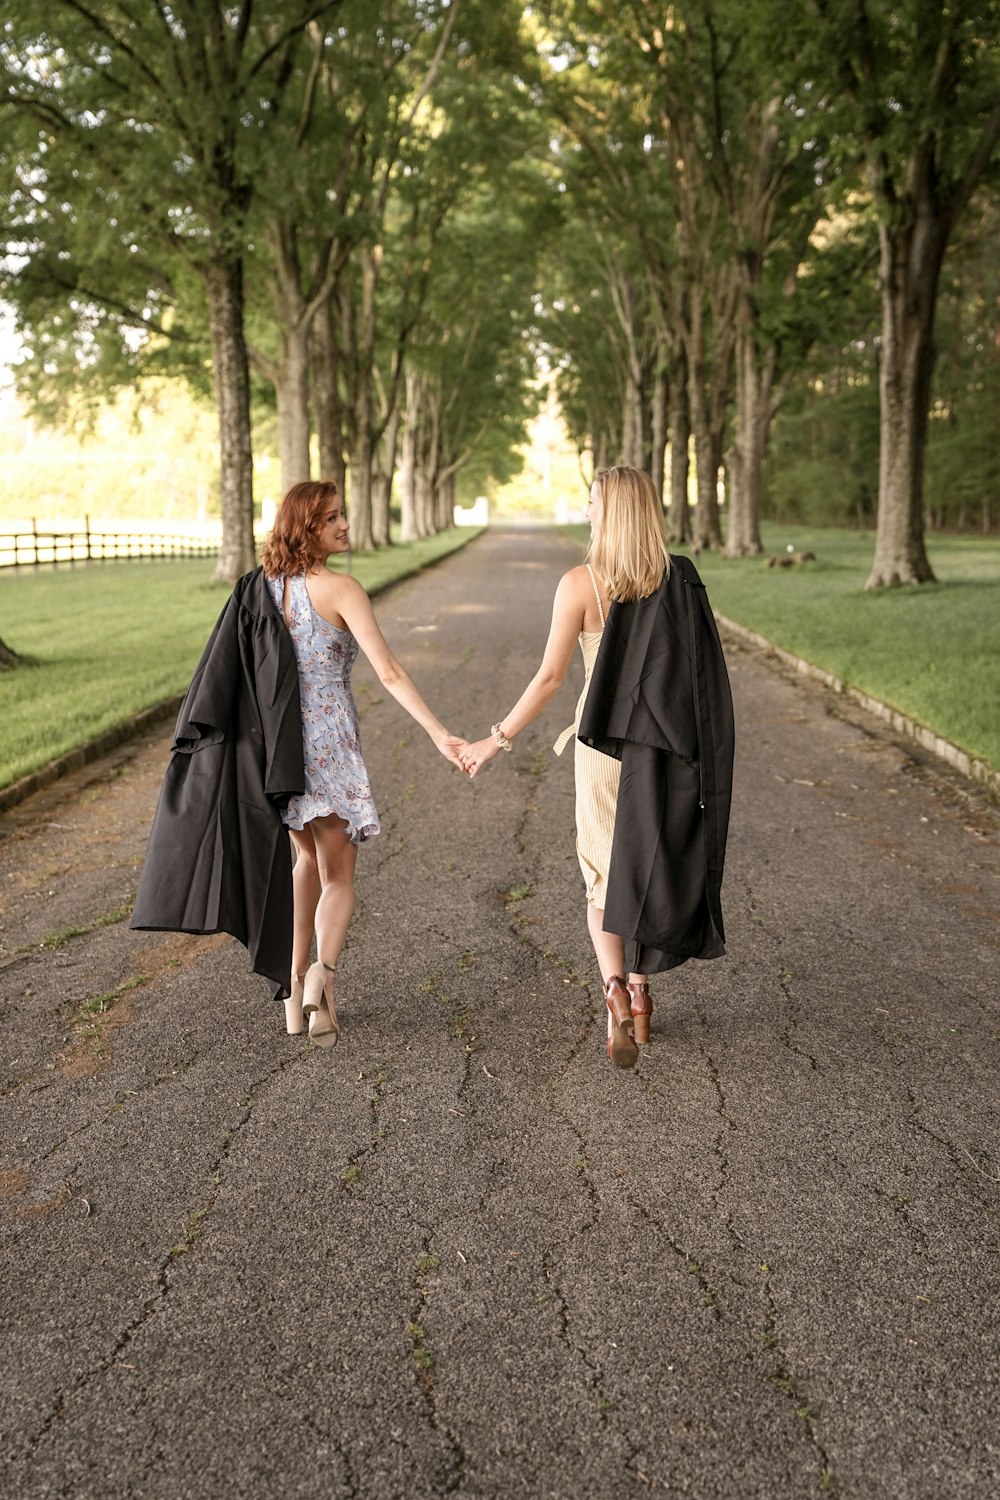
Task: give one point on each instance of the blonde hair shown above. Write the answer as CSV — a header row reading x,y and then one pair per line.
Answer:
x,y
629,548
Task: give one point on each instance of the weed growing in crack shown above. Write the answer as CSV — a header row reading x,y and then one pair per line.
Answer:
x,y
428,1262
539,763
350,1175
422,1357
99,1005
54,940
517,894
117,914
468,960
192,1235
429,983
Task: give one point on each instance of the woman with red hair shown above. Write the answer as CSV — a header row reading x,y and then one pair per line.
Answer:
x,y
329,616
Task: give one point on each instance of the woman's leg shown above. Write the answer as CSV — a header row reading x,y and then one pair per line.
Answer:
x,y
306,888
336,858
609,950
608,947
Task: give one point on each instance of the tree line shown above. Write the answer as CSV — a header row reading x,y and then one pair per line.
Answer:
x,y
711,218
325,200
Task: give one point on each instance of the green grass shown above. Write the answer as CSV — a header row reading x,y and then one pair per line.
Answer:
x,y
930,652
112,639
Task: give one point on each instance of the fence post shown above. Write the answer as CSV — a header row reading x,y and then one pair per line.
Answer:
x,y
34,537
86,523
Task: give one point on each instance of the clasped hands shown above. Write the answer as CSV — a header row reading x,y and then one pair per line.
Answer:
x,y
469,758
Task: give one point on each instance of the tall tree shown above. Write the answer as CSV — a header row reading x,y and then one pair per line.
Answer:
x,y
158,114
921,82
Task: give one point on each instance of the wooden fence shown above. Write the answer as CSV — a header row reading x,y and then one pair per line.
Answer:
x,y
36,549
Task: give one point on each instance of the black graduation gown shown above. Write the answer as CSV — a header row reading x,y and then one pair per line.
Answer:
x,y
219,857
659,701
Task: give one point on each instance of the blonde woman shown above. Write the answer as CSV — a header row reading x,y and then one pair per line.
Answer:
x,y
653,753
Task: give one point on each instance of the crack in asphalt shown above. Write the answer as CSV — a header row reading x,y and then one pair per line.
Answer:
x,y
709,1293
423,1364
728,1126
121,1099
967,1169
787,1037
164,1279
787,1383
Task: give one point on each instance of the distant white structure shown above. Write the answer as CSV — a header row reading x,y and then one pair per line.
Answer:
x,y
569,513
477,514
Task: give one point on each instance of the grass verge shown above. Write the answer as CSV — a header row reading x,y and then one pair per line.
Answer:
x,y
930,652
109,640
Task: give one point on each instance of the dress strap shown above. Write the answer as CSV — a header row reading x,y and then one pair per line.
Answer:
x,y
597,593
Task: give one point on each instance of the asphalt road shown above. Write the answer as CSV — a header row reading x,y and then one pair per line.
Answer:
x,y
459,1254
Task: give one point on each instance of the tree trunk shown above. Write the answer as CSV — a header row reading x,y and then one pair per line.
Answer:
x,y
445,502
224,288
909,267
754,385
632,423
706,531
385,468
326,399
658,428
425,500
8,658
292,391
428,444
678,527
408,462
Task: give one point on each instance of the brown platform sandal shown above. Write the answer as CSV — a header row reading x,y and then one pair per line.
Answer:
x,y
642,1009
621,1047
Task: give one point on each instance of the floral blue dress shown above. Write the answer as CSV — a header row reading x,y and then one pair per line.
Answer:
x,y
336,779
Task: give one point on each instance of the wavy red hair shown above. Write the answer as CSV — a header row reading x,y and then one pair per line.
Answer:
x,y
293,544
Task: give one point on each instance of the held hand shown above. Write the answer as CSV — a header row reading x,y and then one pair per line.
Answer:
x,y
452,748
474,757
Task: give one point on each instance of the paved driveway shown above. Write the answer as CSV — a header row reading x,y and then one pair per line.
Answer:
x,y
459,1255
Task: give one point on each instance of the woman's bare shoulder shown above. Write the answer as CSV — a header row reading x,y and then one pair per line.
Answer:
x,y
575,579
337,587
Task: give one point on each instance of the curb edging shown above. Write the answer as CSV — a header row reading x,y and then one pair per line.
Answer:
x,y
959,759
75,760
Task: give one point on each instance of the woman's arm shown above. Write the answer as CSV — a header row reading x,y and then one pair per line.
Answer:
x,y
346,599
567,622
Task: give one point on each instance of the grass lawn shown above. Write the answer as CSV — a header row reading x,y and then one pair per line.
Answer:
x,y
111,639
931,652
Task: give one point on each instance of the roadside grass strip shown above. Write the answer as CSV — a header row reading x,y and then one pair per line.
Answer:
x,y
106,641
930,652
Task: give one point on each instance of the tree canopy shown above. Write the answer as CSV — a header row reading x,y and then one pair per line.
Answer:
x,y
755,244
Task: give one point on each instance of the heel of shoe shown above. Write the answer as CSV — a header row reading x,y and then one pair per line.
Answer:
x,y
642,1009
622,1049
313,988
324,1030
294,1006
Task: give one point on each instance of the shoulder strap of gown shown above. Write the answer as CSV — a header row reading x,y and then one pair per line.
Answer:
x,y
597,593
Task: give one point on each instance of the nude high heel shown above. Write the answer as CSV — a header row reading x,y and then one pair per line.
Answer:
x,y
621,1046
293,1006
318,1002
642,1009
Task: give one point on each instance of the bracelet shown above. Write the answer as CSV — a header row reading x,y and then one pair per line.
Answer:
x,y
499,736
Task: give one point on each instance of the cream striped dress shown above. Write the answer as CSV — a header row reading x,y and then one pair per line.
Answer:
x,y
597,778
